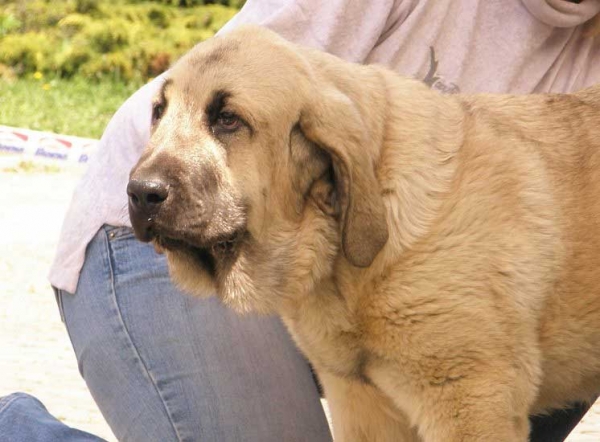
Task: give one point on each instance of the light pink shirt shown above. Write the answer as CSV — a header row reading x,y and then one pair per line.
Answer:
x,y
518,46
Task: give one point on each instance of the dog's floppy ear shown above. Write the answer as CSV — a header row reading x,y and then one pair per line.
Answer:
x,y
333,122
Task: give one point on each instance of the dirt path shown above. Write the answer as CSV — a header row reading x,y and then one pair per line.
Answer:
x,y
35,354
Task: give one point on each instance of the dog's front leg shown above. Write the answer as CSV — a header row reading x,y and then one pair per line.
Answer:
x,y
479,407
360,413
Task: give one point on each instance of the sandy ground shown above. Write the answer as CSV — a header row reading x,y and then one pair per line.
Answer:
x,y
35,353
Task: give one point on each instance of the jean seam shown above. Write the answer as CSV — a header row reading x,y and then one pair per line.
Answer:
x,y
130,340
59,303
9,402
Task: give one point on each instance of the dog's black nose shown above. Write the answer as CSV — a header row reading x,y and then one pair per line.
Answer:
x,y
145,198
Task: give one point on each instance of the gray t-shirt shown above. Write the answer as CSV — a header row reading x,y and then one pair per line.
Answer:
x,y
517,46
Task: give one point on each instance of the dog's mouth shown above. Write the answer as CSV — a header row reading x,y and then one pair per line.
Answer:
x,y
212,256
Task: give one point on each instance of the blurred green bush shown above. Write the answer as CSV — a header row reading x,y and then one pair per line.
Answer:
x,y
130,40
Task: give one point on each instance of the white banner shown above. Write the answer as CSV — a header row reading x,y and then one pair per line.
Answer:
x,y
35,144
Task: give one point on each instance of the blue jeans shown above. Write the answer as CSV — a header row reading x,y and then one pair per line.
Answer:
x,y
163,366
23,418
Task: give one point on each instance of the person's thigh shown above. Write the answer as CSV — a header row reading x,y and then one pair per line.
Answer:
x,y
164,366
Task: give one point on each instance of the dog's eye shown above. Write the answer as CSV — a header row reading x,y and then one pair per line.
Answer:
x,y
158,109
228,121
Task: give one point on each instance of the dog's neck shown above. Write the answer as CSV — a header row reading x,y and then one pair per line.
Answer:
x,y
423,135
416,134
415,161
415,166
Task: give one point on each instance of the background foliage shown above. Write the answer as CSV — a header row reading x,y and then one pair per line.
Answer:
x,y
66,65
127,40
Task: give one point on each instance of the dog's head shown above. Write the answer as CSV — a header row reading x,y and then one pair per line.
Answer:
x,y
259,173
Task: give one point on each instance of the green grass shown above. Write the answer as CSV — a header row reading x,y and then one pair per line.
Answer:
x,y
71,107
67,65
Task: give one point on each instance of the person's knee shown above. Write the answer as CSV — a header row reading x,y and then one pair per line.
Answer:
x,y
19,400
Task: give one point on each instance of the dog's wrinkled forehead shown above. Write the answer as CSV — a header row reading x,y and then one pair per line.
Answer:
x,y
244,45
250,63
218,51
